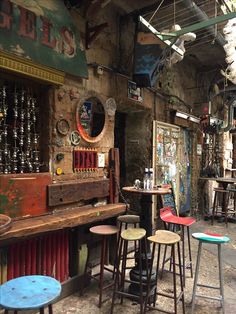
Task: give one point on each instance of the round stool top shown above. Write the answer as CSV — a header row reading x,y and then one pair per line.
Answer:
x,y
164,237
210,237
104,229
29,292
129,219
133,234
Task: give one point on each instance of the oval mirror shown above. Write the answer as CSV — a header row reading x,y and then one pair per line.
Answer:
x,y
91,119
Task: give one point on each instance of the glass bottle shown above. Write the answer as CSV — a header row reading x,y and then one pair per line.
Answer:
x,y
146,179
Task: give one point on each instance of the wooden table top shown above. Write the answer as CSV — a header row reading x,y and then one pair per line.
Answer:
x,y
156,191
220,179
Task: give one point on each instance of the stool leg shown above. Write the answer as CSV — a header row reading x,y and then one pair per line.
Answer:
x,y
117,251
196,274
41,310
116,276
214,208
183,253
181,278
174,278
124,261
221,277
189,252
102,262
140,278
50,309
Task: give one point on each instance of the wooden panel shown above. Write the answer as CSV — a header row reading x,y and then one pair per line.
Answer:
x,y
68,218
24,194
72,192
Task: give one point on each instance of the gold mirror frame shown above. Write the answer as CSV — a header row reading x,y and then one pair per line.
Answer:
x,y
82,132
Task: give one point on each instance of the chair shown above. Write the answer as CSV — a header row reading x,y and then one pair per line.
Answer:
x,y
211,239
29,293
166,238
167,216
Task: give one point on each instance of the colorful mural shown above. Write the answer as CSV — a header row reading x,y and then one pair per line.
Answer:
x,y
43,32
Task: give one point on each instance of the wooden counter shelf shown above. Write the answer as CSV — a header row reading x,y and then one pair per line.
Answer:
x,y
60,219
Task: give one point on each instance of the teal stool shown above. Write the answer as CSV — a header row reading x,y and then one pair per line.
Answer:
x,y
212,239
29,293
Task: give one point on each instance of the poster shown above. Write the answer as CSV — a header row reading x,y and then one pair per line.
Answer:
x,y
43,32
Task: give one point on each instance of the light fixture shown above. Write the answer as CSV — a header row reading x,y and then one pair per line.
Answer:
x,y
187,116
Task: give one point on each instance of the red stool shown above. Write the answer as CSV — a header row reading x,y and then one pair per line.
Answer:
x,y
169,219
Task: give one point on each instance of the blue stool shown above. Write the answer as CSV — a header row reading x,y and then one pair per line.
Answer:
x,y
29,293
212,239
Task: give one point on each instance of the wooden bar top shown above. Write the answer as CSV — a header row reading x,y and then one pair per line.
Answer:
x,y
60,219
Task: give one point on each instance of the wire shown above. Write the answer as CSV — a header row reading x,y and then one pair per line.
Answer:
x,y
155,11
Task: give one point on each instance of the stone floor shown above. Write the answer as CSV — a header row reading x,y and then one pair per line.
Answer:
x,y
87,304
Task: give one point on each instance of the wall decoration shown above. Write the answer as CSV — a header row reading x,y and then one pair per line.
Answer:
x,y
43,32
85,159
63,126
75,138
110,106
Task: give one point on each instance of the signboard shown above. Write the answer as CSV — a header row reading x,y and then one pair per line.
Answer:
x,y
43,32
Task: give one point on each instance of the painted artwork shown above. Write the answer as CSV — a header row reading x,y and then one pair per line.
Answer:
x,y
43,32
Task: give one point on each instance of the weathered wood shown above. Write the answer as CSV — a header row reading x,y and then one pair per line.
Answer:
x,y
24,194
61,219
72,192
114,163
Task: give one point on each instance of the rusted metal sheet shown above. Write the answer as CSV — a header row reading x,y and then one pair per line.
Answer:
x,y
24,194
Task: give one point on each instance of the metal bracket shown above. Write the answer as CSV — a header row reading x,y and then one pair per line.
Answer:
x,y
93,32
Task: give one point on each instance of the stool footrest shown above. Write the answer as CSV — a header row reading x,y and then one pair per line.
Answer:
x,y
207,286
209,297
159,310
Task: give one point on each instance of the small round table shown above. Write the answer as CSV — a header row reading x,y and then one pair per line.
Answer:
x,y
29,293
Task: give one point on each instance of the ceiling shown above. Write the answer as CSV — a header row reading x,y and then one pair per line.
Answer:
x,y
207,50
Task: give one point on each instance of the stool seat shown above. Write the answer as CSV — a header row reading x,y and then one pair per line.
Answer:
x,y
167,216
164,237
29,292
210,237
133,234
129,219
104,230
221,190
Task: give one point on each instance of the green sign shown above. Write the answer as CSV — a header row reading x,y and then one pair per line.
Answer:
x,y
42,31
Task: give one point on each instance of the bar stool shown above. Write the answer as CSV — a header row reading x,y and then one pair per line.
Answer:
x,y
125,221
104,231
165,237
212,239
29,293
223,196
136,235
182,223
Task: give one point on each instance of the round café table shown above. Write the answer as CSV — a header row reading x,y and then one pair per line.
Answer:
x,y
146,223
146,205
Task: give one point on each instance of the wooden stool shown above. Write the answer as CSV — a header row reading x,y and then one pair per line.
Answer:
x,y
183,223
212,239
29,293
164,237
136,235
104,231
223,196
125,221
